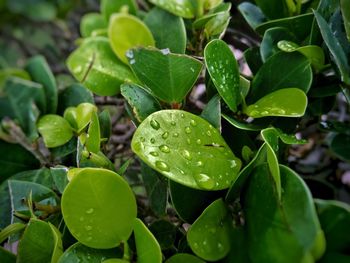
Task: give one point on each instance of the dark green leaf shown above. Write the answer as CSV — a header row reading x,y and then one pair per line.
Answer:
x,y
105,124
253,58
345,9
252,14
59,176
212,112
164,232
181,258
340,145
110,7
93,138
274,8
6,256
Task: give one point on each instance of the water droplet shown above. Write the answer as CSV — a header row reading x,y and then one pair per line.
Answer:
x,y
164,148
204,181
199,163
152,140
165,51
155,154
175,135
132,61
88,228
142,139
78,70
209,133
182,115
165,135
220,176
220,247
198,141
187,155
181,171
188,141
89,211
193,123
154,124
162,166
129,54
188,130
233,164
173,123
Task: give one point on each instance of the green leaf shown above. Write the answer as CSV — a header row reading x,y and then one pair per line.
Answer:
x,y
216,26
72,96
299,25
7,256
80,253
37,243
223,69
315,54
209,235
10,230
183,8
93,224
94,64
115,260
338,54
168,76
84,112
252,14
274,8
93,138
212,112
290,102
127,31
345,10
340,146
253,58
105,124
187,149
141,102
189,211
40,72
182,257
147,247
55,130
173,36
297,73
91,22
59,176
209,4
57,245
164,232
110,7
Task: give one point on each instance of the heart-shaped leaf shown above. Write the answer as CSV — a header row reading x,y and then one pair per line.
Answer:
x,y
290,102
110,7
99,208
187,149
127,31
94,64
183,8
223,69
168,76
91,22
55,130
147,247
296,73
209,235
173,36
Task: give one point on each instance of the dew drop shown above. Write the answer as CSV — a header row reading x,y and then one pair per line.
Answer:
x,y
204,181
187,155
173,123
193,123
198,141
181,172
209,133
162,166
164,148
142,139
175,135
233,164
88,228
78,70
89,211
165,135
182,115
154,124
199,163
188,130
155,154
152,140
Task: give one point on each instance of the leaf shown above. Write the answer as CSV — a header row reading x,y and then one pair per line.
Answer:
x,y
126,32
84,112
15,159
183,8
80,253
345,10
7,256
212,112
253,59
58,246
216,27
10,230
182,257
168,76
40,72
273,9
209,4
297,73
55,130
93,224
91,22
142,103
220,10
105,124
59,176
340,146
173,36
299,25
223,69
252,14
290,102
189,211
338,54
187,149
37,243
164,232
209,235
93,138
147,247
94,64
110,7
72,96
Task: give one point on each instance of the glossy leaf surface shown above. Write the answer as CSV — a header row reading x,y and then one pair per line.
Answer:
x,y
209,235
55,130
93,139
110,7
252,14
94,64
127,31
168,76
223,69
183,8
290,102
148,249
102,219
187,149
